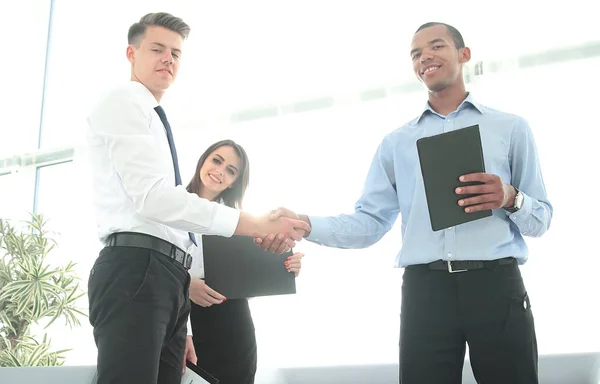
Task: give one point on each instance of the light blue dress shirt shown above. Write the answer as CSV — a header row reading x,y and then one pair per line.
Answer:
x,y
394,185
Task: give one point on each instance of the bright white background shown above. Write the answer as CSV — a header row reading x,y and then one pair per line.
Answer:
x,y
245,55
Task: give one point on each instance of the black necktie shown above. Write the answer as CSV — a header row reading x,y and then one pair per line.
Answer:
x,y
163,118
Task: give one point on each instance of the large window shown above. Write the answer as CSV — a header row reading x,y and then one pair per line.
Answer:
x,y
24,29
16,193
310,89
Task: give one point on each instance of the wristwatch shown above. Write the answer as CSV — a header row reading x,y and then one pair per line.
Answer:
x,y
518,202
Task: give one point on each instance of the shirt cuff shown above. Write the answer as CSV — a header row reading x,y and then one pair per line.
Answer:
x,y
525,210
319,228
225,221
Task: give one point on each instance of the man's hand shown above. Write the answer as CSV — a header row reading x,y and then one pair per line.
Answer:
x,y
203,295
492,194
286,223
279,243
287,229
275,243
190,352
283,241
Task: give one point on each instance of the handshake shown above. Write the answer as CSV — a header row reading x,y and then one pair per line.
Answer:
x,y
280,229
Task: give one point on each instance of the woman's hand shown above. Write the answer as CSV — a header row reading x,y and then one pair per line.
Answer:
x,y
190,353
203,295
294,263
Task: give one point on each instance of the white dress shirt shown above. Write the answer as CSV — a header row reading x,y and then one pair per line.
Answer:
x,y
196,271
133,177
197,267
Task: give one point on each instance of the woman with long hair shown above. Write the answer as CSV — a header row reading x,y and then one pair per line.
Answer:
x,y
223,330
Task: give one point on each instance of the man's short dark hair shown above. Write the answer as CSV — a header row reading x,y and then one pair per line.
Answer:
x,y
160,19
456,36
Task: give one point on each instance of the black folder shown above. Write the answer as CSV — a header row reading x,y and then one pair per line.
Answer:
x,y
444,158
236,268
205,376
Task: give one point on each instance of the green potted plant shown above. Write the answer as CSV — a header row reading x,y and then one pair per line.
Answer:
x,y
33,292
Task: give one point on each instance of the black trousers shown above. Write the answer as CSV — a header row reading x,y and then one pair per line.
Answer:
x,y
139,305
225,341
488,309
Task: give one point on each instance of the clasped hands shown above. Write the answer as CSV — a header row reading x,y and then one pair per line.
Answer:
x,y
279,241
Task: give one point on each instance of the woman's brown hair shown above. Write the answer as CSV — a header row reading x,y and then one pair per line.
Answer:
x,y
234,195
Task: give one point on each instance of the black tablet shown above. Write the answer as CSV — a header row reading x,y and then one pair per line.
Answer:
x,y
236,268
444,158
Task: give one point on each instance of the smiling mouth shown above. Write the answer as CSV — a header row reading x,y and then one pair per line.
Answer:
x,y
213,178
429,70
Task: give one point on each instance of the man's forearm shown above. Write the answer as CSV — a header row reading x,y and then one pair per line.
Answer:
x,y
248,226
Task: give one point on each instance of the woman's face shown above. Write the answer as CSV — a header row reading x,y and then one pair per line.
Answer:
x,y
219,171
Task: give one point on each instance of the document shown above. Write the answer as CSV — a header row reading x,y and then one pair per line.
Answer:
x,y
444,158
236,268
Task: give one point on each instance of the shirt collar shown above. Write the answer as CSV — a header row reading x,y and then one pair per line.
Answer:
x,y
145,96
469,100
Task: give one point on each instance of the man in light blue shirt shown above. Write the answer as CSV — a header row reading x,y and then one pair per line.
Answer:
x,y
486,304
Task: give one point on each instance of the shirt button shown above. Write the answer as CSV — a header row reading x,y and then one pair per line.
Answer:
x,y
449,255
449,228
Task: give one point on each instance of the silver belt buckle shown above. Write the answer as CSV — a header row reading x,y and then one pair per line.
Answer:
x,y
454,270
187,261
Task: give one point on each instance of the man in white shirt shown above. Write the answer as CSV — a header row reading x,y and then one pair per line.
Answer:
x,y
138,287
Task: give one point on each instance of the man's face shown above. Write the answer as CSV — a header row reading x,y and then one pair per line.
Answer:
x,y
155,60
436,61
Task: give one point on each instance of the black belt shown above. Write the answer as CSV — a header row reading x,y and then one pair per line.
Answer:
x,y
464,265
141,240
